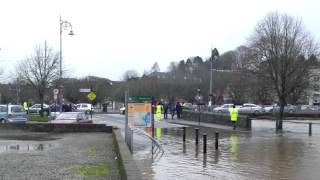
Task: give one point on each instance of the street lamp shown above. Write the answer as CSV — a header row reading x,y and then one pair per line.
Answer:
x,y
198,99
64,25
214,53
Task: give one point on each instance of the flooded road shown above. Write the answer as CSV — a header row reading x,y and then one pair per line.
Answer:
x,y
258,154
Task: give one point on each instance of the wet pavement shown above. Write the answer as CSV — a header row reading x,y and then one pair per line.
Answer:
x,y
257,154
30,155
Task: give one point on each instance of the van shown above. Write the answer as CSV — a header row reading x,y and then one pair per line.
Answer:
x,y
13,114
84,107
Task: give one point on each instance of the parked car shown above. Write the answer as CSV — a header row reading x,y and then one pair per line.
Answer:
x,y
84,107
223,108
13,114
187,106
36,108
122,110
251,109
289,108
72,118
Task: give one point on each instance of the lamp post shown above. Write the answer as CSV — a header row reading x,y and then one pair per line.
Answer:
x,y
214,53
199,98
64,25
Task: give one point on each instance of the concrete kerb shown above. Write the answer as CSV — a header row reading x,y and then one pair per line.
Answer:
x,y
127,166
58,128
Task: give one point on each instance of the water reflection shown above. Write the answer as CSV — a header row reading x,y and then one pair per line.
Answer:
x,y
234,145
23,147
158,133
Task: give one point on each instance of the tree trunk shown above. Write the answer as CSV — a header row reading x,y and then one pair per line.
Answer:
x,y
41,97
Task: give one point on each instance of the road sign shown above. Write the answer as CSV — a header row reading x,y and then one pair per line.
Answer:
x,y
85,90
91,96
55,91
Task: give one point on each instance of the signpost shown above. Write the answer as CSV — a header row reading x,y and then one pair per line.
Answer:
x,y
91,96
138,114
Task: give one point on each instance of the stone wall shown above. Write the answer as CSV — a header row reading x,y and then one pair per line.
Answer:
x,y
61,128
216,118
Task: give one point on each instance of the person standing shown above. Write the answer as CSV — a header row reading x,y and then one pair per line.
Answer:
x,y
234,116
158,111
179,110
165,110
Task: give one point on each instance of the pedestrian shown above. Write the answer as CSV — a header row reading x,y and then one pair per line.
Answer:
x,y
165,110
158,111
234,116
173,109
179,110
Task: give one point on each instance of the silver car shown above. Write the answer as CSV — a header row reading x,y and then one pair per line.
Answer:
x,y
224,108
13,114
251,109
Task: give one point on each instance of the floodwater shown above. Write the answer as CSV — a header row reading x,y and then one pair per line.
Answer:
x,y
258,154
17,142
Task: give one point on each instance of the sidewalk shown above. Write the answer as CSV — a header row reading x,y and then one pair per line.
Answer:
x,y
202,124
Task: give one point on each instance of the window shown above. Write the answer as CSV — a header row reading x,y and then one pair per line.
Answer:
x,y
17,109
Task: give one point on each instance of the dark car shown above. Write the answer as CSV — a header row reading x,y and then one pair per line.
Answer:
x,y
36,109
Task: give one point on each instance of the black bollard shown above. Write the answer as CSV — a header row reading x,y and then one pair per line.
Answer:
x,y
217,140
310,129
184,134
197,135
204,143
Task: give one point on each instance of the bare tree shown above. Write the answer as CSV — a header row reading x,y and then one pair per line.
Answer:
x,y
40,69
130,74
280,47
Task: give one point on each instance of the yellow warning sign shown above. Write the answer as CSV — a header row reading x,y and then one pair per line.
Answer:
x,y
91,96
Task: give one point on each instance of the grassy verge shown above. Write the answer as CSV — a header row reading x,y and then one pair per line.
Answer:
x,y
38,118
99,170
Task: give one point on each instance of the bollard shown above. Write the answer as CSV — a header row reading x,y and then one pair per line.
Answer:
x,y
204,143
197,135
217,140
310,129
184,134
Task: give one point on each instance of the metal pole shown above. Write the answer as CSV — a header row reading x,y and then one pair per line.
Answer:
x,y
204,143
217,140
152,117
210,89
197,135
199,113
60,74
126,120
184,134
310,129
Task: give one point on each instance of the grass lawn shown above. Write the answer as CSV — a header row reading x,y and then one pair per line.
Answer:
x,y
38,118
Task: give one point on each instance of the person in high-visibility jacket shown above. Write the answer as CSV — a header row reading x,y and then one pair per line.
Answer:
x,y
159,111
234,116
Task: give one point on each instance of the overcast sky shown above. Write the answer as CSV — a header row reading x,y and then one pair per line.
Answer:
x,y
112,36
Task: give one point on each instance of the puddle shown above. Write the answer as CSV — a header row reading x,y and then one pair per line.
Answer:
x,y
23,147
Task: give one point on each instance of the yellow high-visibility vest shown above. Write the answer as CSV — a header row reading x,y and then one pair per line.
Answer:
x,y
158,109
234,114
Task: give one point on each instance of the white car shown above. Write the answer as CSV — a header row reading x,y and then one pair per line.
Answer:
x,y
224,108
122,110
84,107
251,109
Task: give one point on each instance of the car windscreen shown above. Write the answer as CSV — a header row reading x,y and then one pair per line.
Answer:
x,y
67,116
3,109
17,109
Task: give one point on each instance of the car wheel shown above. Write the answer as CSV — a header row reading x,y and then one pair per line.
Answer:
x,y
2,121
219,111
45,113
256,112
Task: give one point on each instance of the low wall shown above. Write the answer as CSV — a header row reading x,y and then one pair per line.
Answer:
x,y
217,118
61,128
127,166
